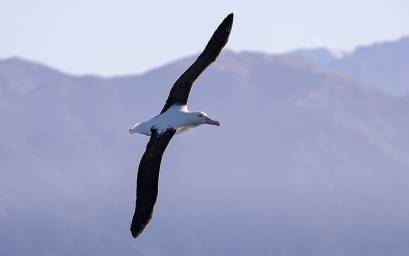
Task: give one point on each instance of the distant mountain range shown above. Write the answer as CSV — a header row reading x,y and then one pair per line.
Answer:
x,y
312,157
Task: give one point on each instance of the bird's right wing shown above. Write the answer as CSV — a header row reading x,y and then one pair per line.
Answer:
x,y
148,179
180,91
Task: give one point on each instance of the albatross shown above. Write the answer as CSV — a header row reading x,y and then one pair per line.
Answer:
x,y
174,118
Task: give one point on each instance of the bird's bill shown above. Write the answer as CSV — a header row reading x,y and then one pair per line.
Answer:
x,y
212,122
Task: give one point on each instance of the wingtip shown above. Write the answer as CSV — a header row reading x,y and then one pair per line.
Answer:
x,y
136,230
227,23
134,234
230,17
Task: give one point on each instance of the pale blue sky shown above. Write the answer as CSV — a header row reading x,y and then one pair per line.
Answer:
x,y
131,36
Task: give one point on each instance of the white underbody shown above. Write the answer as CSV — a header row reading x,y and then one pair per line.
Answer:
x,y
176,117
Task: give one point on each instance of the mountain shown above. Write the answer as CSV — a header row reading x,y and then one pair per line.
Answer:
x,y
308,161
383,65
19,76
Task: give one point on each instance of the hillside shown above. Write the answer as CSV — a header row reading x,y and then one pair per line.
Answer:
x,y
308,161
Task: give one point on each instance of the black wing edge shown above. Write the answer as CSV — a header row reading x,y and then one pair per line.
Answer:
x,y
180,91
148,179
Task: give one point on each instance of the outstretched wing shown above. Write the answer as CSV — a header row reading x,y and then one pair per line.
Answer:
x,y
180,91
147,180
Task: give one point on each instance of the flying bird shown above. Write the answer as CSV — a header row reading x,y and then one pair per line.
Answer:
x,y
174,118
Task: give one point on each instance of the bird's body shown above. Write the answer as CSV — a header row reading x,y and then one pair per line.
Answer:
x,y
174,118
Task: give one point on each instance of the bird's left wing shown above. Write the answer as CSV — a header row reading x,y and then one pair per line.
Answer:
x,y
148,179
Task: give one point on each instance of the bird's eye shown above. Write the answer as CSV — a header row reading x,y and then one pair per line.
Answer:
x,y
200,115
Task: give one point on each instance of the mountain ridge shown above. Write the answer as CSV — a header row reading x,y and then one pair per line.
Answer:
x,y
357,64
313,153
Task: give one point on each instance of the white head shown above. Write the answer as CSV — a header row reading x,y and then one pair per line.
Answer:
x,y
199,118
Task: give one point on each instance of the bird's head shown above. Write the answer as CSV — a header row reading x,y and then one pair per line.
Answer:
x,y
200,118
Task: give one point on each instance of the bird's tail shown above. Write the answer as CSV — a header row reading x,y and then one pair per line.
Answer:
x,y
141,128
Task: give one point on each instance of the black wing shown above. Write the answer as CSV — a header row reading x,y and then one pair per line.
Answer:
x,y
180,91
147,180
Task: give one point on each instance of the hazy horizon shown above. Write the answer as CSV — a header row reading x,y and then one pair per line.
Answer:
x,y
167,62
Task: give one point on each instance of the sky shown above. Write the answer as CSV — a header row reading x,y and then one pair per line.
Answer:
x,y
130,36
